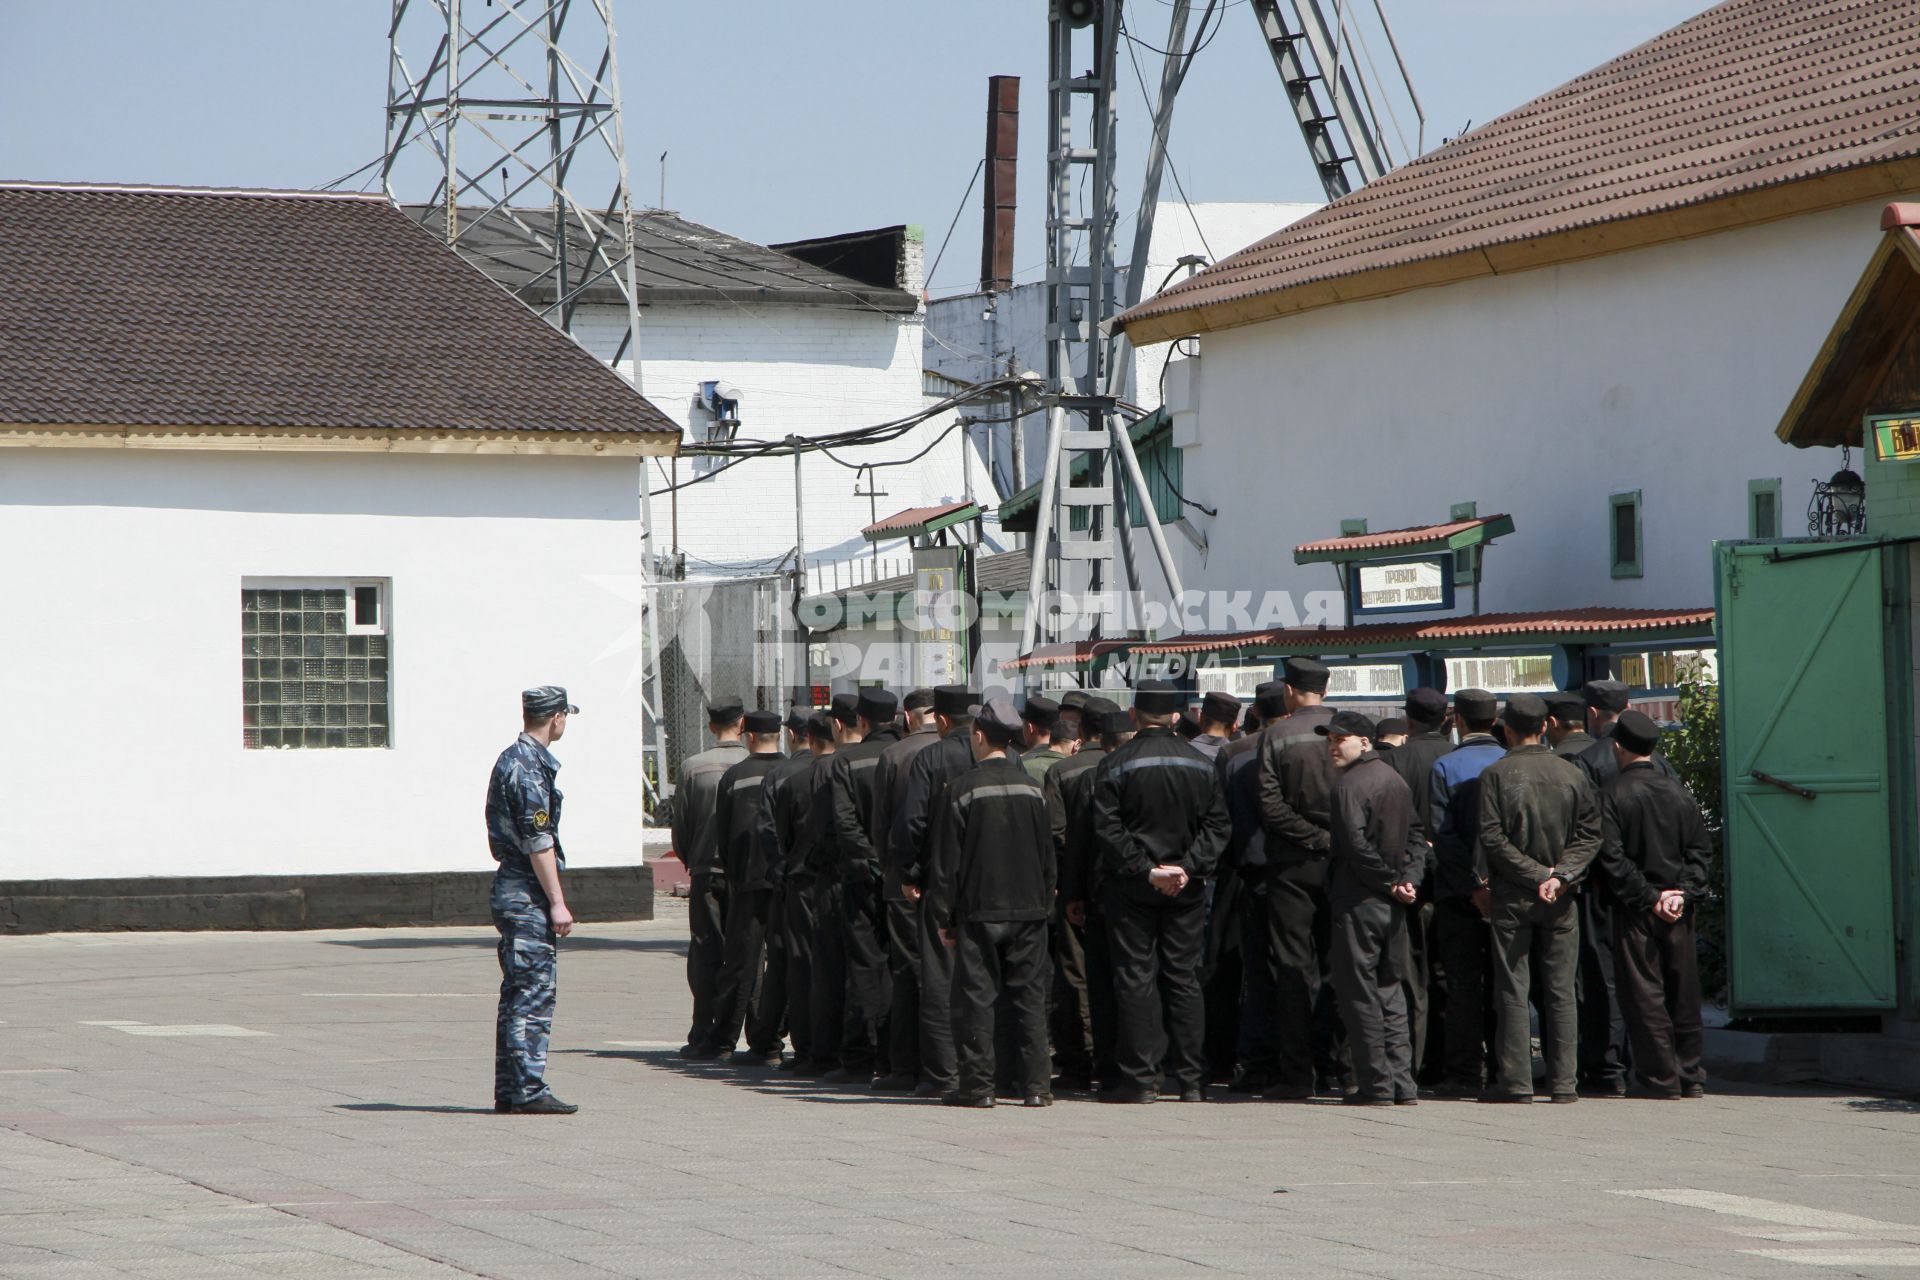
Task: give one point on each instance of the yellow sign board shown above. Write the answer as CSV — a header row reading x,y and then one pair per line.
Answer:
x,y
1895,439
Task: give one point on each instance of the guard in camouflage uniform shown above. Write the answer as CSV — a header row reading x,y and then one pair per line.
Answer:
x,y
529,908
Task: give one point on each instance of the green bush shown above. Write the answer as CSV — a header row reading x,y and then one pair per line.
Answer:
x,y
1693,748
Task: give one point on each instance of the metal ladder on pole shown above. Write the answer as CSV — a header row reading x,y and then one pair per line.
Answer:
x,y
1082,424
1335,120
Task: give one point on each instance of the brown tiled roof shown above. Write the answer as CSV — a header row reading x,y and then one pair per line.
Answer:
x,y
1074,654
1698,129
1388,538
1557,624
912,519
287,312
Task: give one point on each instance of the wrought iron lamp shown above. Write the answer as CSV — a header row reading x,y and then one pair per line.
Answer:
x,y
1839,506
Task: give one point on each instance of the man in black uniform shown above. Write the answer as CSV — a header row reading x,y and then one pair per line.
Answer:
x,y
1295,783
1539,829
694,804
1375,860
990,882
744,995
828,1019
931,770
1241,885
1413,760
1068,1022
1605,1046
1462,941
797,829
1567,723
1219,713
903,918
1041,716
851,779
1160,824
1655,849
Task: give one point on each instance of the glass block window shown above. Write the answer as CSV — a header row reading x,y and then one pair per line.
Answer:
x,y
309,676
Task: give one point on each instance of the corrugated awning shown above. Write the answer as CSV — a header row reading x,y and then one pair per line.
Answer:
x,y
915,521
1607,625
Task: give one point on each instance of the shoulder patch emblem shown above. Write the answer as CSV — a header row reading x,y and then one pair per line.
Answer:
x,y
540,818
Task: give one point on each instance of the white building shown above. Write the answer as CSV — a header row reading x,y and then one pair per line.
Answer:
x,y
805,338
1574,315
297,502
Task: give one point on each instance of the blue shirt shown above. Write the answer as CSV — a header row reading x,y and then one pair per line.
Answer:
x,y
523,806
1454,817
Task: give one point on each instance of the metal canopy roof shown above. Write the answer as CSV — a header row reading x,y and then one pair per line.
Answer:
x,y
918,521
1454,535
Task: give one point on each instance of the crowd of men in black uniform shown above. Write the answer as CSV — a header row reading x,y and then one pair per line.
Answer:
x,y
953,897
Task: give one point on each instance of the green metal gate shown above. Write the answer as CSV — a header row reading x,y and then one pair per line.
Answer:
x,y
1809,844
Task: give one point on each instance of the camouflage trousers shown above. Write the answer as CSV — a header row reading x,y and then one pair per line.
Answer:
x,y
527,986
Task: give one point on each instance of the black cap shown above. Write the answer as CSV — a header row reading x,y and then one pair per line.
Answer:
x,y
1392,725
845,707
1075,700
1309,675
1040,712
797,718
877,705
546,700
918,700
1350,724
762,721
1187,724
1221,708
1070,728
1525,714
1429,706
1270,699
1636,731
1605,695
1476,705
1566,705
1104,715
724,710
1156,698
954,700
998,718
820,726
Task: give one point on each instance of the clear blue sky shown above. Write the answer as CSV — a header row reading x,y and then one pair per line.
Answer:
x,y
784,118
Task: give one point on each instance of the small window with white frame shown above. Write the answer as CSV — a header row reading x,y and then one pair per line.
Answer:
x,y
315,663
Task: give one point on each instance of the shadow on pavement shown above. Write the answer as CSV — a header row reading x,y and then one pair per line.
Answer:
x,y
1906,1106
764,1080
401,1106
677,945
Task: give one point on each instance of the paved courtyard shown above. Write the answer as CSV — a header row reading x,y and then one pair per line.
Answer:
x,y
214,1105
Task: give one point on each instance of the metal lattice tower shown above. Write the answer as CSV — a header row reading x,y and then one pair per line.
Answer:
x,y
1083,369
505,137
1340,124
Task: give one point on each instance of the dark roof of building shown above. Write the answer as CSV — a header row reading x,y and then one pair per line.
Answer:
x,y
1849,377
1450,536
1724,120
677,260
287,311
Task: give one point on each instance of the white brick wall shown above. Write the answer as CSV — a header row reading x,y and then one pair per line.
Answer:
x,y
802,371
